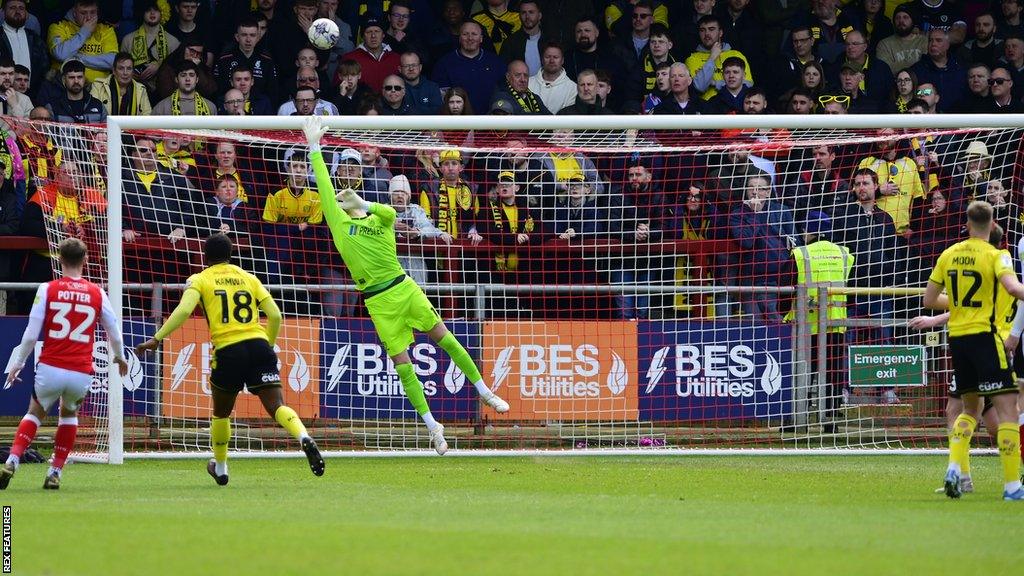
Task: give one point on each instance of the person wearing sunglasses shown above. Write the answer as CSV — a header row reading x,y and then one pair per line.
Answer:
x,y
1000,84
929,93
393,99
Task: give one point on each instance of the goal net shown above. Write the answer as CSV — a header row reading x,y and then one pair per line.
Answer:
x,y
634,288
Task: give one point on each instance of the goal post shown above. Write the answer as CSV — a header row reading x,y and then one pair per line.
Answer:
x,y
653,326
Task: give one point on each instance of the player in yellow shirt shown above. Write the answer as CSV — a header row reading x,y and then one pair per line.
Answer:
x,y
244,354
1006,309
970,272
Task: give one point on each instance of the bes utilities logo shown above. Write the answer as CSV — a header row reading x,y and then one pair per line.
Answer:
x,y
188,358
559,371
716,371
562,369
368,369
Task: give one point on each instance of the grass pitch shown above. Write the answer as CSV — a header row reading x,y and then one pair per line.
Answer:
x,y
616,515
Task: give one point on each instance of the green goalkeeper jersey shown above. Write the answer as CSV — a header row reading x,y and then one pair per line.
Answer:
x,y
367,244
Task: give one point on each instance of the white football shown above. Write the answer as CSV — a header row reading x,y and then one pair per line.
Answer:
x,y
323,33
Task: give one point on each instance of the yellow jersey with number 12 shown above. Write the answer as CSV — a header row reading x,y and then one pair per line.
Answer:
x,y
970,273
231,299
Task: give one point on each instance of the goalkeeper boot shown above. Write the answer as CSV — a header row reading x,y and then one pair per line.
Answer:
x,y
211,469
495,401
52,481
6,473
437,439
951,484
966,485
316,462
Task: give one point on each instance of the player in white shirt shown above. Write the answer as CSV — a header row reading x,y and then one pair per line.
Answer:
x,y
65,312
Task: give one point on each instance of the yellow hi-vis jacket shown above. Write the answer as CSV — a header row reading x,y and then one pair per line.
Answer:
x,y
823,264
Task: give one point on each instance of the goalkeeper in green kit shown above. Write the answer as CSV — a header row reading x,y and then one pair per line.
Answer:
x,y
364,233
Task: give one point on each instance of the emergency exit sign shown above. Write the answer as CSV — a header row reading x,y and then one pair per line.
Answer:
x,y
887,366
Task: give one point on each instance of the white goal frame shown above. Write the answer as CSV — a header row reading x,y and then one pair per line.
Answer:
x,y
116,125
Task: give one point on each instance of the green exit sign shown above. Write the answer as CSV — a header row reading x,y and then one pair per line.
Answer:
x,y
887,366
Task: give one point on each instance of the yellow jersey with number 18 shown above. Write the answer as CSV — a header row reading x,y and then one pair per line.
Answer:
x,y
970,273
231,299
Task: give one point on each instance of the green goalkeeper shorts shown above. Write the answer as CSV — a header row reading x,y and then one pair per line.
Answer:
x,y
398,311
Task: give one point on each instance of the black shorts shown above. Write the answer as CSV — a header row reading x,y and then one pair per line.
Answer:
x,y
250,364
980,366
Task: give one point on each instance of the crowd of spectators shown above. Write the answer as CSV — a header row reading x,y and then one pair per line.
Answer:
x,y
895,200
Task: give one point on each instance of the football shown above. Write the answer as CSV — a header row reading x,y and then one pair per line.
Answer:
x,y
323,33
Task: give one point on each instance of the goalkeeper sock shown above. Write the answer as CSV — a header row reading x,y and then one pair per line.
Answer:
x,y
464,361
289,420
220,435
960,440
1009,455
23,438
64,440
413,388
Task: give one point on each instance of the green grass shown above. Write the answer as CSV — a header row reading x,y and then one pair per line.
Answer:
x,y
573,516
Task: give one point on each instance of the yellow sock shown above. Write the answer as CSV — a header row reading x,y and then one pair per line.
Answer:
x,y
289,420
220,435
960,439
1009,450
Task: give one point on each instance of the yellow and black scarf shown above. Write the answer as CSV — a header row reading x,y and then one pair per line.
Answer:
x,y
140,51
201,108
527,103
650,75
126,106
451,201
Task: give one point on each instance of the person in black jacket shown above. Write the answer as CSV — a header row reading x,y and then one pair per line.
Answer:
x,y
75,105
15,16
870,234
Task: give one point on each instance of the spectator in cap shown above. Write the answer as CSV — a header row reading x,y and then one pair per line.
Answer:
x,y
376,59
451,201
75,105
23,44
851,81
185,100
904,48
81,36
411,224
507,224
150,44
